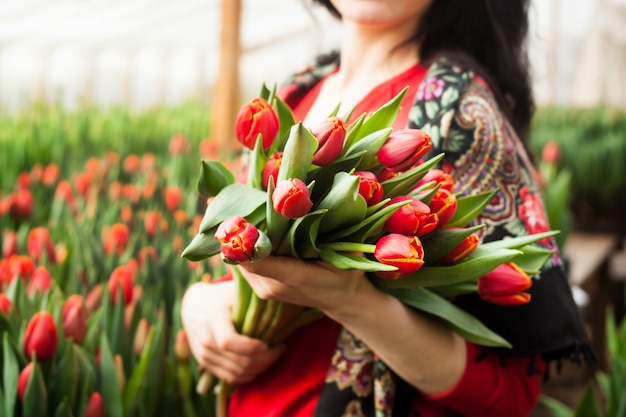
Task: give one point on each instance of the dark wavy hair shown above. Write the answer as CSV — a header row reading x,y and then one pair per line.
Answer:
x,y
490,36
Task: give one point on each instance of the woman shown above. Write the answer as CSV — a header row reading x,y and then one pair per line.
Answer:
x,y
464,63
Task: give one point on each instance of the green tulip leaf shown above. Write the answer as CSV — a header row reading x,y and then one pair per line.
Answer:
x,y
276,223
453,290
10,374
201,247
243,293
36,396
352,132
265,92
403,183
2,411
588,405
137,378
234,200
298,154
63,409
285,120
345,260
384,116
270,309
369,147
555,407
65,385
214,177
155,367
111,391
518,242
302,236
442,241
371,225
456,318
469,207
257,160
345,205
477,264
324,176
533,258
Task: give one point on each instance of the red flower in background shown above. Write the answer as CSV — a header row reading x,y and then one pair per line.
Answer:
x,y
74,318
39,243
9,243
95,406
40,281
173,196
257,117
122,277
5,304
22,380
179,145
21,204
16,266
40,337
271,169
115,238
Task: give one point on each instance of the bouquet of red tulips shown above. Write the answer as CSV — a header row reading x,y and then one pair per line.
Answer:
x,y
359,196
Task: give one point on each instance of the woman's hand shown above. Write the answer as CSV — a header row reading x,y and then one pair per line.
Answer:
x,y
213,340
314,284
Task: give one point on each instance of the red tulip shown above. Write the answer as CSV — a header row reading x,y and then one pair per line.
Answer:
x,y
181,346
74,318
404,148
404,252
550,152
123,276
93,298
40,242
50,174
413,218
271,169
254,118
441,178
369,187
443,204
173,196
291,198
21,204
467,246
16,266
40,281
115,238
238,238
95,406
141,336
5,304
22,380
151,222
40,337
178,145
505,285
330,135
9,243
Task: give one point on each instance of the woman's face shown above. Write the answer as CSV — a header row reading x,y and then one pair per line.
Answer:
x,y
381,13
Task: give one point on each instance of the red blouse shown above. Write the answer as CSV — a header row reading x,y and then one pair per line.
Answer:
x,y
291,387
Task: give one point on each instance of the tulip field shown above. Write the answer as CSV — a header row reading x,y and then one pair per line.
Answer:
x,y
96,208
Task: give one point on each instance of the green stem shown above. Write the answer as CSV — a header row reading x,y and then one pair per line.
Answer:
x,y
222,393
349,247
267,316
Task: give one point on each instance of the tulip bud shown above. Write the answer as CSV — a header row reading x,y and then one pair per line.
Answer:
x,y
550,152
74,318
141,336
178,145
254,118
241,241
462,250
505,285
119,371
172,196
5,304
21,204
93,298
443,204
291,198
439,177
115,238
404,148
40,281
271,169
50,174
9,243
95,406
151,222
330,135
40,337
39,242
413,218
23,379
369,187
181,346
404,252
123,276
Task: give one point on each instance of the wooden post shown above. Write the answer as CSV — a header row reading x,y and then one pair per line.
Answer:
x,y
226,99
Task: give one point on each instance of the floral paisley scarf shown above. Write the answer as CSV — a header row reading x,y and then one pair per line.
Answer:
x,y
458,110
